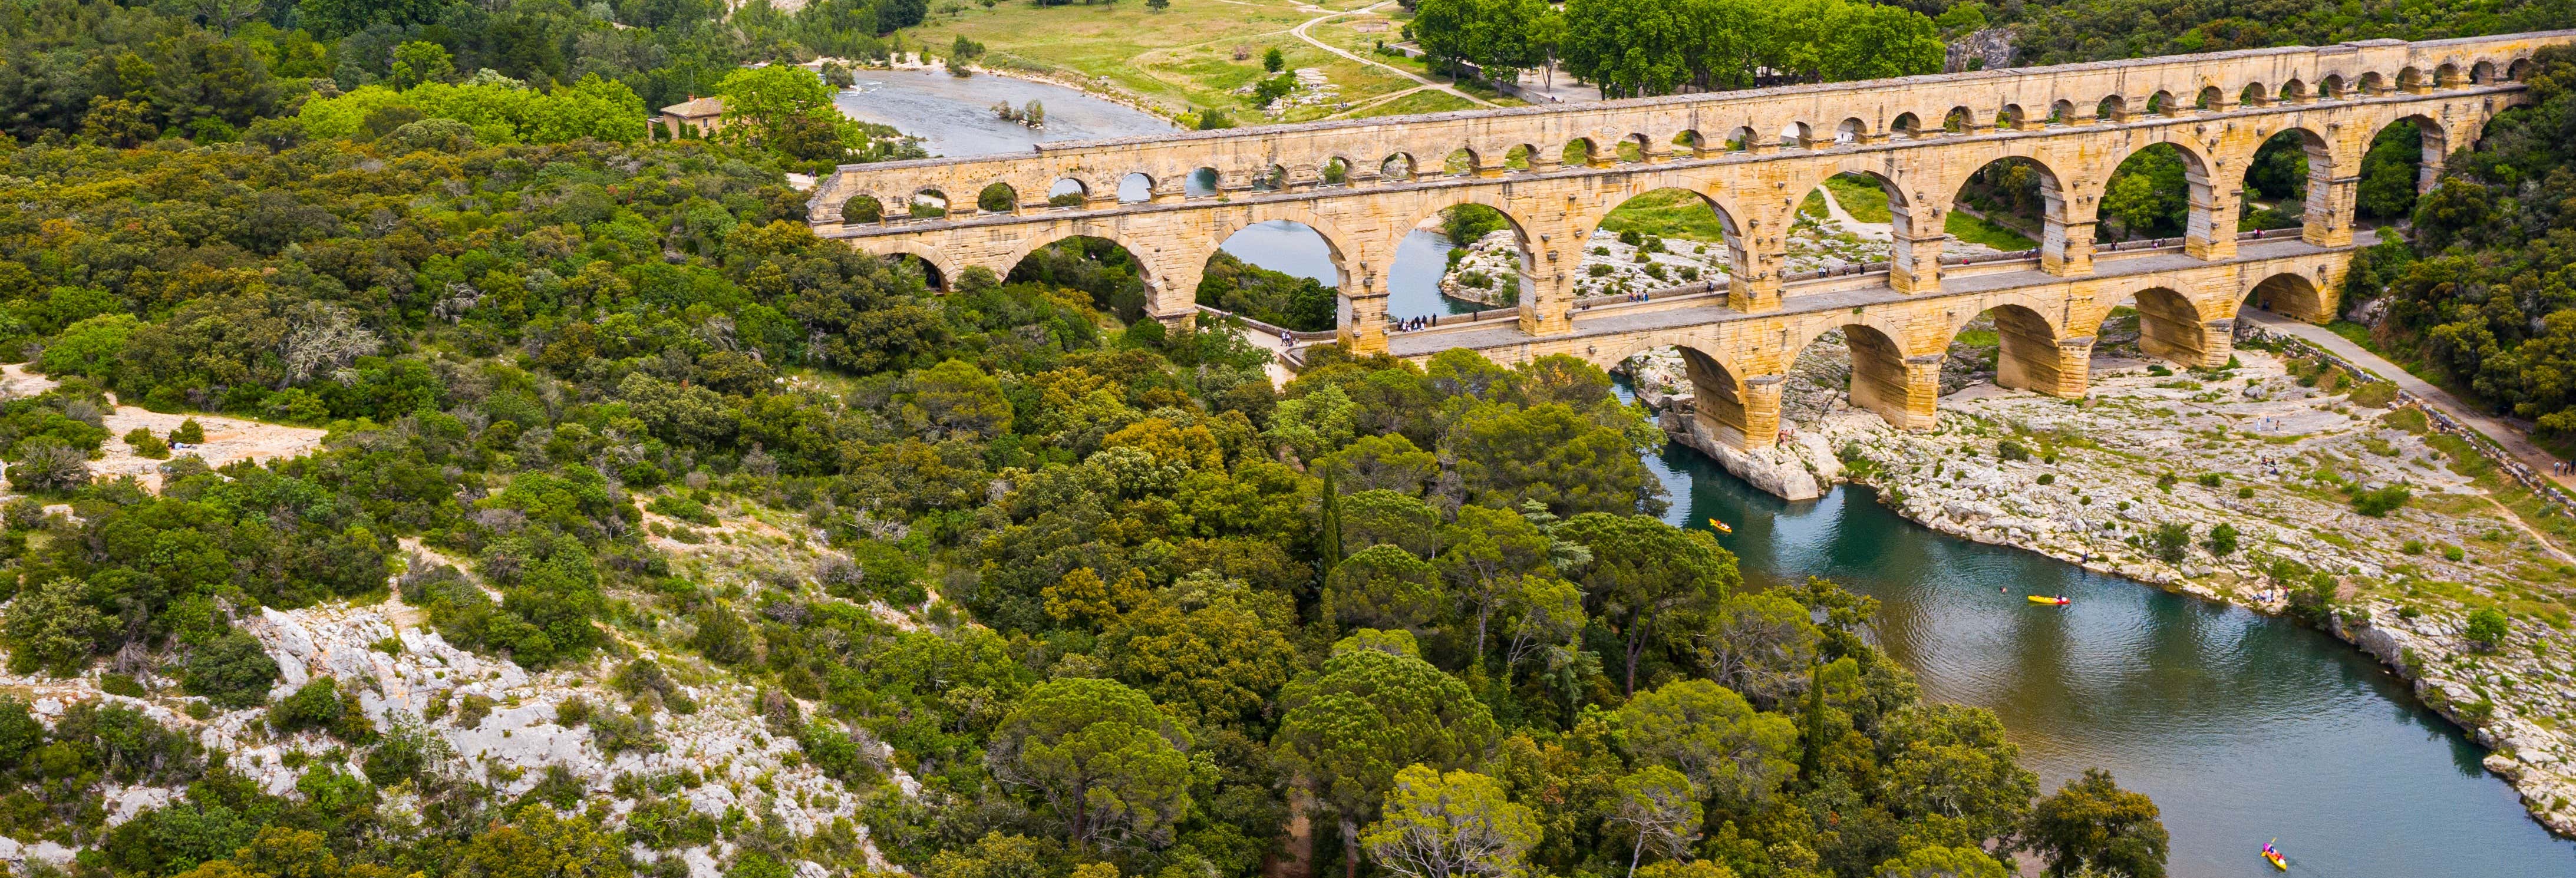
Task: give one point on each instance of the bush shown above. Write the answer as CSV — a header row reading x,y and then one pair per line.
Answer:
x,y
145,444
2222,540
320,705
2166,482
2245,493
2412,547
232,671
2454,554
2169,540
47,465
2011,450
2488,628
2209,480
2048,478
572,712
722,636
2377,502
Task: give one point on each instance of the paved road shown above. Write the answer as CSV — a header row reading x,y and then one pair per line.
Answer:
x,y
2514,441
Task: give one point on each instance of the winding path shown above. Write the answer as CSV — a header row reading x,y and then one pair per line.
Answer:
x,y
1300,32
2515,442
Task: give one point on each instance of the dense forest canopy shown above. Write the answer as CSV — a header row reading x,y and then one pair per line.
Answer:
x,y
1155,612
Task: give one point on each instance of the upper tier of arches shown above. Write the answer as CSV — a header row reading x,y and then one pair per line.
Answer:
x,y
1498,143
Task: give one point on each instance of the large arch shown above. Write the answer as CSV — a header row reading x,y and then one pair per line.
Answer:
x,y
1415,268
2292,294
1090,266
2032,354
1656,219
2200,225
2264,173
2015,194
1914,248
1718,402
2393,170
1884,381
2170,327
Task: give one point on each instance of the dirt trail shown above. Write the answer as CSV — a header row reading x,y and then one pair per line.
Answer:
x,y
227,439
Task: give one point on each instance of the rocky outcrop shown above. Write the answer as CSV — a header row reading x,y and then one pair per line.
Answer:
x,y
1801,467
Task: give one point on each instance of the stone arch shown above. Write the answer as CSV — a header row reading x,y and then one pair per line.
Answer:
x,y
2518,71
1730,228
1850,131
2011,118
2434,143
2112,108
1068,192
1796,135
2211,98
2199,222
1643,145
2372,83
2171,327
1907,125
1334,170
1528,156
2410,79
1691,139
2292,294
928,203
1462,162
1960,120
1135,187
1914,254
2252,95
1580,151
1741,139
2482,73
1718,402
2317,210
2162,104
940,268
1203,183
2447,75
2062,112
2331,88
2028,350
1146,269
1525,241
2294,92
1271,179
862,208
1884,381
2051,197
1397,166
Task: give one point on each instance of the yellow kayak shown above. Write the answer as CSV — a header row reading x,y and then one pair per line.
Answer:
x,y
2051,601
1720,526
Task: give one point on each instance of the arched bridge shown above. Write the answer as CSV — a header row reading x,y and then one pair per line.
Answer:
x,y
1555,171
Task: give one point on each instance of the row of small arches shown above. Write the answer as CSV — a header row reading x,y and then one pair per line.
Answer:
x,y
1070,192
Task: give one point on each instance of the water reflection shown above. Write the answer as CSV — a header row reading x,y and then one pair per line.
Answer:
x,y
2242,727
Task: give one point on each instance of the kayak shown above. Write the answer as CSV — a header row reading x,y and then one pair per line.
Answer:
x,y
2044,599
1720,526
2277,862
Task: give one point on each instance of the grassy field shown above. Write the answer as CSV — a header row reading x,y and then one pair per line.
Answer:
x,y
1668,213
1976,230
1191,55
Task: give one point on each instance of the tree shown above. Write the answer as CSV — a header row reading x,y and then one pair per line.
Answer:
x,y
788,109
232,670
538,844
2487,628
1661,808
1367,715
1554,453
1273,61
53,627
1953,773
1108,764
1158,5
2170,541
1385,587
2093,824
1761,645
1643,570
417,62
94,347
1460,823
1942,862
961,401
1485,552
1715,738
2222,540
46,464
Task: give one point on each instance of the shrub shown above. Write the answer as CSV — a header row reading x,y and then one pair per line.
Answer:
x,y
2011,450
2412,547
2166,482
2048,478
2209,480
320,705
1599,269
2158,370
2169,540
471,709
2245,493
722,636
2454,554
2222,540
232,671
572,712
2487,628
47,465
145,444
2377,502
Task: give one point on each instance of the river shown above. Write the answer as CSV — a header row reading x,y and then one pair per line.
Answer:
x,y
2242,727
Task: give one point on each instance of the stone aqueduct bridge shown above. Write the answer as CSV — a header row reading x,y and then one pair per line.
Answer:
x,y
1754,155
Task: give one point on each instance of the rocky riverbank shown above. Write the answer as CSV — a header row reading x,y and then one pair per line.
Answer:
x,y
2240,485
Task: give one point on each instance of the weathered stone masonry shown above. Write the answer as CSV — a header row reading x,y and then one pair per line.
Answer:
x,y
1362,185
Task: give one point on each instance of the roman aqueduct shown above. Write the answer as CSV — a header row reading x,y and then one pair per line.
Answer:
x,y
1754,155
